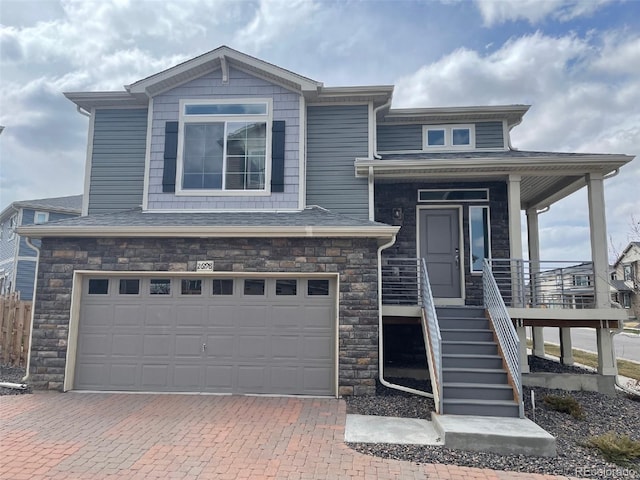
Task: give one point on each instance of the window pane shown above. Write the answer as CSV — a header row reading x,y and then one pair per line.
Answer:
x,y
160,286
223,286
40,217
191,287
318,288
129,286
286,287
451,195
203,155
435,137
246,147
98,286
227,109
461,136
479,233
254,287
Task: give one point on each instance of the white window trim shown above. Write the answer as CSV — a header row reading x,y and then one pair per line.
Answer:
x,y
35,216
471,269
453,190
268,119
448,137
13,224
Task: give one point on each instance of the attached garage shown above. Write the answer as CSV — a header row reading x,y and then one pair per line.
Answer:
x,y
162,332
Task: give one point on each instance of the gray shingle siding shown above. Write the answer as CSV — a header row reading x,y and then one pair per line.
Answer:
x,y
336,136
398,138
117,162
286,106
25,277
489,135
394,138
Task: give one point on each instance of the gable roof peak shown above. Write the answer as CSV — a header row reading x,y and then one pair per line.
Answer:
x,y
219,58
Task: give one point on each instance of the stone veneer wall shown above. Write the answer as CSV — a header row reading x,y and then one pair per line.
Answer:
x,y
405,196
354,259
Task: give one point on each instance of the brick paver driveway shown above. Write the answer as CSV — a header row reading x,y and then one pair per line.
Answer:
x,y
93,436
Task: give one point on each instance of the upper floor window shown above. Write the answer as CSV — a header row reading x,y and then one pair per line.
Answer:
x,y
627,272
40,217
448,137
13,224
581,280
222,145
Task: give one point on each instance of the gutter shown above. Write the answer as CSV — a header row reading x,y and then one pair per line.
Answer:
x,y
33,305
380,330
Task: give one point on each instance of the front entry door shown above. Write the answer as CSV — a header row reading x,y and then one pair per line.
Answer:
x,y
440,246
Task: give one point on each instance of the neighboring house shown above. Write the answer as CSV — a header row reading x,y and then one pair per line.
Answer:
x,y
243,227
626,280
17,258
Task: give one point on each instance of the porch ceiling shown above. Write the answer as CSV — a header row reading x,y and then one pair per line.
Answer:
x,y
545,177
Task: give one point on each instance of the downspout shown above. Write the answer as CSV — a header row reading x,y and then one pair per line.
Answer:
x,y
380,330
375,131
82,111
33,305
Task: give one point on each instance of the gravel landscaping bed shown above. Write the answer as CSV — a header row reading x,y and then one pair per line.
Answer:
x,y
12,375
602,414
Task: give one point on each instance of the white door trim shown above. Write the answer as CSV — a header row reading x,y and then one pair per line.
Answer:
x,y
419,208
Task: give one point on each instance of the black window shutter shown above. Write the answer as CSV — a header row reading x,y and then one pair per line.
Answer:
x,y
170,156
277,156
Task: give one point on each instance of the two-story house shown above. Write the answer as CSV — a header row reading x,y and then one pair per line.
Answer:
x,y
17,258
626,276
248,229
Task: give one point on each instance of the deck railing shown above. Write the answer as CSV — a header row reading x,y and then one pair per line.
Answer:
x,y
544,284
432,336
505,331
401,281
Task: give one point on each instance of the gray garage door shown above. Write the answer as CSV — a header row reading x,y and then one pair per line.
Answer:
x,y
223,335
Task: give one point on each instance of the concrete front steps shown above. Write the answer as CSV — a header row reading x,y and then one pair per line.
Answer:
x,y
474,378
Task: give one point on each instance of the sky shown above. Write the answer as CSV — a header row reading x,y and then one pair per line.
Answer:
x,y
576,62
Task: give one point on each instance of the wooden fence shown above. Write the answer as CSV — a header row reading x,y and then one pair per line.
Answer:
x,y
15,322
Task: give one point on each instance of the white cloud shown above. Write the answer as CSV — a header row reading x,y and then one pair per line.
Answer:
x,y
535,11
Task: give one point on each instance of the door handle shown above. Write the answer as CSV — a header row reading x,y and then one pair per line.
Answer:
x,y
204,347
457,257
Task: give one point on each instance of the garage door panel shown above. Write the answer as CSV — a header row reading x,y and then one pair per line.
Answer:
x,y
126,344
187,376
285,347
190,315
223,315
219,347
97,315
251,316
188,346
251,347
219,378
255,343
95,344
286,316
128,315
252,379
156,345
155,376
124,375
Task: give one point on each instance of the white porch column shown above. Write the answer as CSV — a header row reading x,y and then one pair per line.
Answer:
x,y
533,242
566,350
606,363
598,227
524,361
537,336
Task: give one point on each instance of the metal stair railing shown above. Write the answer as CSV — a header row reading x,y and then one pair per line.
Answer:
x,y
432,336
508,341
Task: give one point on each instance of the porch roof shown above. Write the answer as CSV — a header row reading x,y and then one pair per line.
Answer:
x,y
546,177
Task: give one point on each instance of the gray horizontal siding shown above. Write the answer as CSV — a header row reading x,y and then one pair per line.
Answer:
x,y
489,135
24,279
117,163
336,136
398,138
394,138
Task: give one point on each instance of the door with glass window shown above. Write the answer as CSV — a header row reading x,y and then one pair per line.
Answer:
x,y
439,245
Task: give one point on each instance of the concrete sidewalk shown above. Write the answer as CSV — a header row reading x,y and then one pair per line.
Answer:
x,y
96,436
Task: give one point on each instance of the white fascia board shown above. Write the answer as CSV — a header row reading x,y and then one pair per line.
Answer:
x,y
575,165
213,57
210,231
88,100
